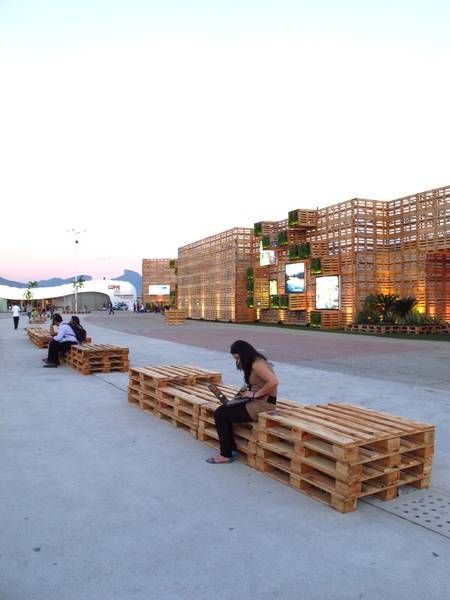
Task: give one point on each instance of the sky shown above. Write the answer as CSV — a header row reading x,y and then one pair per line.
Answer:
x,y
147,125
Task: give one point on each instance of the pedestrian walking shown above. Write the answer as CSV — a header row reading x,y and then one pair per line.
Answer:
x,y
16,315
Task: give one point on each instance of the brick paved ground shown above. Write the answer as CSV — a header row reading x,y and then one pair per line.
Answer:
x,y
412,361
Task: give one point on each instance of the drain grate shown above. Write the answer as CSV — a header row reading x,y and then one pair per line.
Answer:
x,y
427,508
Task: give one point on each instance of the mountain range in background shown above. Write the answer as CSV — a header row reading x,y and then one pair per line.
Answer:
x,y
131,276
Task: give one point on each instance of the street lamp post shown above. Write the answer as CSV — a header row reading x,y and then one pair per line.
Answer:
x,y
76,234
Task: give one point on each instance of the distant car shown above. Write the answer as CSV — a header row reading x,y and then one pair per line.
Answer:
x,y
120,306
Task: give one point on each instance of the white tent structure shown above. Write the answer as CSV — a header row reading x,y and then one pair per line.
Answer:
x,y
92,295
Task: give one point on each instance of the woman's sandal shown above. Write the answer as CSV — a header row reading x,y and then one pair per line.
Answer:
x,y
212,461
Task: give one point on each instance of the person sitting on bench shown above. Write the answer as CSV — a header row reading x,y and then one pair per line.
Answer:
x,y
60,343
260,395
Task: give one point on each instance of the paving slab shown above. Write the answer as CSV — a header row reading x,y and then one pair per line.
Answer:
x,y
99,500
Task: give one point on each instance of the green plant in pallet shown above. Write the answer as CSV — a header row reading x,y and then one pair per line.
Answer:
x,y
315,266
293,252
274,302
304,250
172,263
282,238
250,285
265,242
293,217
284,301
257,229
316,319
249,273
250,302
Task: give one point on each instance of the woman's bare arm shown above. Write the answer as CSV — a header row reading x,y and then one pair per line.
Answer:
x,y
261,368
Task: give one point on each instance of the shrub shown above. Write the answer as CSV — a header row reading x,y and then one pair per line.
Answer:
x,y
315,266
316,319
293,217
304,250
274,302
282,238
293,252
265,242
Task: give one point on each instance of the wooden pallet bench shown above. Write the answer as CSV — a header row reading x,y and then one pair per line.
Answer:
x,y
338,453
389,329
246,434
175,316
145,382
97,358
38,336
335,453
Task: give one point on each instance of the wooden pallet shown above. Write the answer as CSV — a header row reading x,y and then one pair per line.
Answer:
x,y
339,453
388,329
39,336
245,434
174,317
335,453
145,383
97,358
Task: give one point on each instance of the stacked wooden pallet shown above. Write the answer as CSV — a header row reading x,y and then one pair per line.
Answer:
x,y
172,392
38,336
245,434
338,453
174,316
334,453
97,358
387,329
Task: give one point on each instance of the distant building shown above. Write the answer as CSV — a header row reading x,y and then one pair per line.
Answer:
x,y
159,280
93,295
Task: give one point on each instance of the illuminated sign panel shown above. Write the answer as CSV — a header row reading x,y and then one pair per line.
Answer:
x,y
273,287
327,292
295,278
160,289
266,257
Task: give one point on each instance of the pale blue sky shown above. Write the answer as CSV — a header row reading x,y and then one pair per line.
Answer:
x,y
194,117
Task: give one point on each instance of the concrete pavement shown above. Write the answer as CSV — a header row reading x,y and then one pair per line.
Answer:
x,y
100,501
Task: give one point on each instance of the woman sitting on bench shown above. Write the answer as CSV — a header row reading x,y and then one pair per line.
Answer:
x,y
61,342
259,395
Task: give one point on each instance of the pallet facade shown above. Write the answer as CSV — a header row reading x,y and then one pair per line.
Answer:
x,y
158,271
400,246
212,283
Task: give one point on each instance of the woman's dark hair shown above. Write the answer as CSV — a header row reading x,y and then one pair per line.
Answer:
x,y
57,318
247,356
75,320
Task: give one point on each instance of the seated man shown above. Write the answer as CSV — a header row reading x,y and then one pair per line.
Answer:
x,y
61,342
